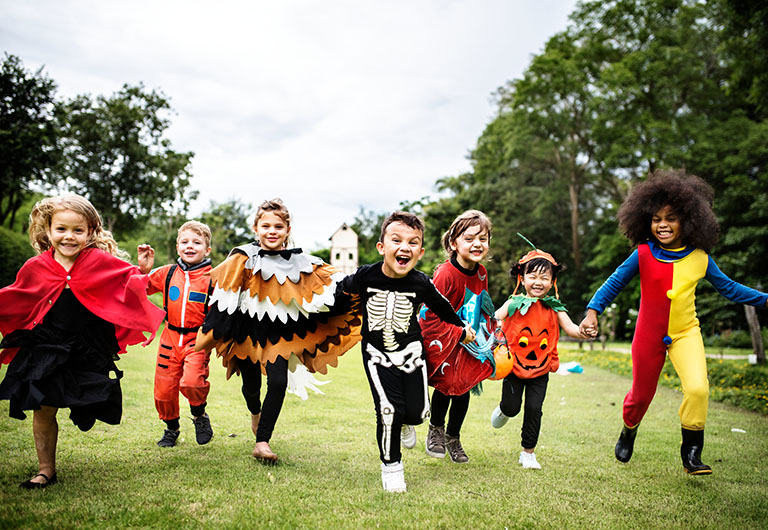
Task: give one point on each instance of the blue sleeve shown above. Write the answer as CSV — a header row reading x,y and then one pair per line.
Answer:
x,y
615,283
733,291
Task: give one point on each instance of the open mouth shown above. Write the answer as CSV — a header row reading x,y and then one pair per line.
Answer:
x,y
402,260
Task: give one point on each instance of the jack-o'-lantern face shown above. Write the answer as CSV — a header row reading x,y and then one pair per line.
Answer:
x,y
531,348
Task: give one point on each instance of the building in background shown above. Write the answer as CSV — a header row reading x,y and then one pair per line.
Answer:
x,y
344,249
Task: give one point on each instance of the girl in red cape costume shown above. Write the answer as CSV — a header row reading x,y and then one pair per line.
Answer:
x,y
454,368
72,309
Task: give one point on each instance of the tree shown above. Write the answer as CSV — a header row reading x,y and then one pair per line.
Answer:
x,y
115,154
27,134
367,226
629,87
230,223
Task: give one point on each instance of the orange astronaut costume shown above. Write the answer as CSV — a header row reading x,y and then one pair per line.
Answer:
x,y
180,368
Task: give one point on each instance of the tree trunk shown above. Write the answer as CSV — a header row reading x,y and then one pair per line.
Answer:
x,y
754,333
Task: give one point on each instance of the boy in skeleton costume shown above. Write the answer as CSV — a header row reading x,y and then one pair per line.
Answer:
x,y
391,293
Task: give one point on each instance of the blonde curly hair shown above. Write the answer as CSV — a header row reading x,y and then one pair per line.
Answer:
x,y
42,213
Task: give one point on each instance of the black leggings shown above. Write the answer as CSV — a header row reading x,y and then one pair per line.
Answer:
x,y
512,399
277,382
459,406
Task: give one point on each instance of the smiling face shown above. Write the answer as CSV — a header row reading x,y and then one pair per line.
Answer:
x,y
192,247
272,231
68,235
665,227
401,248
537,282
471,246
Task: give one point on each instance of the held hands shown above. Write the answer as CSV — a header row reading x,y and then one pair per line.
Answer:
x,y
469,334
146,258
588,327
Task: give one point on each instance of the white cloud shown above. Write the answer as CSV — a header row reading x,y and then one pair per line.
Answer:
x,y
329,105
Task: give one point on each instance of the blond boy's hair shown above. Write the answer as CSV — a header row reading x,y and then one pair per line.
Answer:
x,y
201,229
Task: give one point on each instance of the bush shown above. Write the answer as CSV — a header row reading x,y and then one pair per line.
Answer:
x,y
14,251
736,338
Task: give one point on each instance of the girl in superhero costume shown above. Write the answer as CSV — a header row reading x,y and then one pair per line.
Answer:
x,y
72,309
670,219
270,306
531,326
453,368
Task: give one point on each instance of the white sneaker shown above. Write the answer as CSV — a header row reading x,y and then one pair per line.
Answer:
x,y
498,419
408,436
393,477
528,460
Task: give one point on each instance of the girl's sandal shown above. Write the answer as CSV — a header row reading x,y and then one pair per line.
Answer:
x,y
29,485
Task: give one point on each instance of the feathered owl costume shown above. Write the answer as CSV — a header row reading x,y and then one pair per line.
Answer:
x,y
270,304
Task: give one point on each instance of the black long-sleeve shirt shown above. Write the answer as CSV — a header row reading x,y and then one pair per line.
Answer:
x,y
391,305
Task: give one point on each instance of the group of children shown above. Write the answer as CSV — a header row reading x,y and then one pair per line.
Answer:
x,y
269,308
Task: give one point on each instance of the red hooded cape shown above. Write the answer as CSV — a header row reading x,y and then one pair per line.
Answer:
x,y
107,286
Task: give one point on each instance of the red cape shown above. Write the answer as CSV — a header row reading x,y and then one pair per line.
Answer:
x,y
107,286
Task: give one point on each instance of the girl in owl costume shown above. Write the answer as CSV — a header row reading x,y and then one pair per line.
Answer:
x,y
271,309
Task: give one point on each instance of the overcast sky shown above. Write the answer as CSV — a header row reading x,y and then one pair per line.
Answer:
x,y
330,105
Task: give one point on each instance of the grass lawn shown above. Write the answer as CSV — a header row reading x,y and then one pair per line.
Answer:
x,y
329,477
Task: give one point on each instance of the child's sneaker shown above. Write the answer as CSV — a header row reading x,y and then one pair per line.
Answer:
x,y
169,438
528,460
203,430
498,418
435,442
393,477
455,450
408,436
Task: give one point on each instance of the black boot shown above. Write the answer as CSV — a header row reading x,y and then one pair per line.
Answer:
x,y
626,443
690,451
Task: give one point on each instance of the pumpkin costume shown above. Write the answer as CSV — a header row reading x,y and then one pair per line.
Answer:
x,y
267,306
532,331
529,334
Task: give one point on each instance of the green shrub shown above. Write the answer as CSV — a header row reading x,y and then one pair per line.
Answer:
x,y
14,251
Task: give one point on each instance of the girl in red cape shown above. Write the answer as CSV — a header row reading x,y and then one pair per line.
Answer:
x,y
72,309
452,367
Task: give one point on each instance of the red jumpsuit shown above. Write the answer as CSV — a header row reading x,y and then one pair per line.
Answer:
x,y
179,367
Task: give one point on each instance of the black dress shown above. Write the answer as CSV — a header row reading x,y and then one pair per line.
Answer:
x,y
67,361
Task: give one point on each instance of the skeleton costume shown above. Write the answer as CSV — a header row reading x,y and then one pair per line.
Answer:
x,y
393,354
268,306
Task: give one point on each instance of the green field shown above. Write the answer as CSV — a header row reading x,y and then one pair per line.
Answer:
x,y
329,477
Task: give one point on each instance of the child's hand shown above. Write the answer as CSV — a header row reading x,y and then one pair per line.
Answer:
x,y
146,258
469,334
588,327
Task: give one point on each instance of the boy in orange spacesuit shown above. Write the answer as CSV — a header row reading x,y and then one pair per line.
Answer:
x,y
180,368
